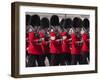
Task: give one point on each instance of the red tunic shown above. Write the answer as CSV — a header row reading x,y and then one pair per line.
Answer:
x,y
59,47
44,44
31,36
85,38
34,47
45,48
59,44
65,46
54,47
75,46
65,43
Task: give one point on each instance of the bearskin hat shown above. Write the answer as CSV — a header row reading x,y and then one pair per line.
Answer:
x,y
35,20
28,17
67,23
54,20
62,23
44,22
86,23
77,22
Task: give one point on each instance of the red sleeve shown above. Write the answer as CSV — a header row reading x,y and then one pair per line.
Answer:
x,y
85,37
31,36
73,38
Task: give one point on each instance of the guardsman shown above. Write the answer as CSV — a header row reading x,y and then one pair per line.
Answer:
x,y
55,43
66,41
53,49
34,48
45,39
85,39
76,41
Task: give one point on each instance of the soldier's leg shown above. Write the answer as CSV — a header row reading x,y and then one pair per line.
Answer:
x,y
31,61
74,59
68,58
62,59
41,60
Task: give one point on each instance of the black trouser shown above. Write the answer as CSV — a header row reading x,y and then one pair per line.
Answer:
x,y
68,58
55,59
62,59
65,58
31,61
40,60
85,57
76,58
26,59
48,55
33,58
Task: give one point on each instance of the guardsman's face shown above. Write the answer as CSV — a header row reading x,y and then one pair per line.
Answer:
x,y
78,29
72,30
52,30
82,30
53,37
64,37
56,27
42,39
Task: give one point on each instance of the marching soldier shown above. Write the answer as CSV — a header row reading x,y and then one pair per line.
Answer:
x,y
76,41
34,48
85,39
55,44
45,39
66,40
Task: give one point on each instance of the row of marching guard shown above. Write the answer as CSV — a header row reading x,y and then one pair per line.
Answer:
x,y
55,42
